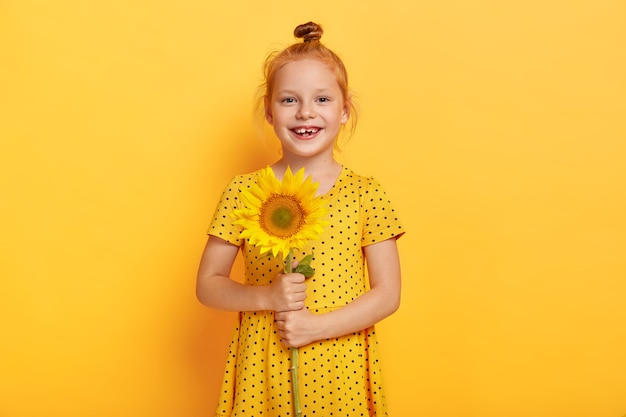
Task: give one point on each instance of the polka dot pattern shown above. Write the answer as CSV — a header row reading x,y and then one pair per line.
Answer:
x,y
340,376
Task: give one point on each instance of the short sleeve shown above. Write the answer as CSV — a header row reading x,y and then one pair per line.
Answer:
x,y
380,219
222,224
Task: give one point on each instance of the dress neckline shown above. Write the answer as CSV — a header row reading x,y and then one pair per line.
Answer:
x,y
336,186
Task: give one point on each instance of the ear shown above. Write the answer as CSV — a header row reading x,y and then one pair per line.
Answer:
x,y
345,113
268,110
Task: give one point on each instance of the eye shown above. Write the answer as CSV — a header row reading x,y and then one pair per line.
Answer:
x,y
323,99
288,100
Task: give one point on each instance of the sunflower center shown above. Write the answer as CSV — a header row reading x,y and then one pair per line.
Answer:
x,y
281,216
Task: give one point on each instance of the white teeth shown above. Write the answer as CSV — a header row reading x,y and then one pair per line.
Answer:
x,y
310,131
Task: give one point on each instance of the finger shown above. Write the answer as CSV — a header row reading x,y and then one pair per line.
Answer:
x,y
293,306
299,296
296,289
296,277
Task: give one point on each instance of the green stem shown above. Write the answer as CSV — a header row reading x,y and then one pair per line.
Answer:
x,y
294,382
288,262
294,352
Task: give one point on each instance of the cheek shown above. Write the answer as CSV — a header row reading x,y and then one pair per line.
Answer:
x,y
278,117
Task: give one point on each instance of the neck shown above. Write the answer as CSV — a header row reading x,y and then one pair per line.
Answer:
x,y
315,167
323,171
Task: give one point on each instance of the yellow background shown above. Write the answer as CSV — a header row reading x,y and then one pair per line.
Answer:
x,y
496,127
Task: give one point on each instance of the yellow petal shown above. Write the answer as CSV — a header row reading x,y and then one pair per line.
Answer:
x,y
298,194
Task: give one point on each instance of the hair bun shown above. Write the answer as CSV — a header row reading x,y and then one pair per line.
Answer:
x,y
309,32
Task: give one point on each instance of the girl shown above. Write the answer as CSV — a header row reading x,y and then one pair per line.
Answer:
x,y
330,317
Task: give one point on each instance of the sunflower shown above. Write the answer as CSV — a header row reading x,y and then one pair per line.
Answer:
x,y
279,216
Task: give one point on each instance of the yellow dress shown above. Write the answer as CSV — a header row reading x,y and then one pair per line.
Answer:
x,y
338,377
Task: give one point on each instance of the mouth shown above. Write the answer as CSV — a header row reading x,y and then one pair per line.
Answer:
x,y
306,132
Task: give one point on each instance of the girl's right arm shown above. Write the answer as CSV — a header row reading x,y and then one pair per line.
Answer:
x,y
215,288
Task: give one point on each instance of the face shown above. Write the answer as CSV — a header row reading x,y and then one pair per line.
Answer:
x,y
306,109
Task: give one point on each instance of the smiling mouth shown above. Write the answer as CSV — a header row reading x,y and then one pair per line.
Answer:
x,y
306,131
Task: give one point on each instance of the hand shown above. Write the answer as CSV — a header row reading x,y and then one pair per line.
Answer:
x,y
287,292
297,328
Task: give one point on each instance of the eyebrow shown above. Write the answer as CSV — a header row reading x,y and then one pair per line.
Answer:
x,y
317,91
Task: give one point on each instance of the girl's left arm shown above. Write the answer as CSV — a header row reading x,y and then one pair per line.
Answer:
x,y
301,327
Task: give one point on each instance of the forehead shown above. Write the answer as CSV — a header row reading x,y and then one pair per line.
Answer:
x,y
305,73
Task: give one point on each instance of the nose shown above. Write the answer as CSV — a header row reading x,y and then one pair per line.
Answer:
x,y
305,111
